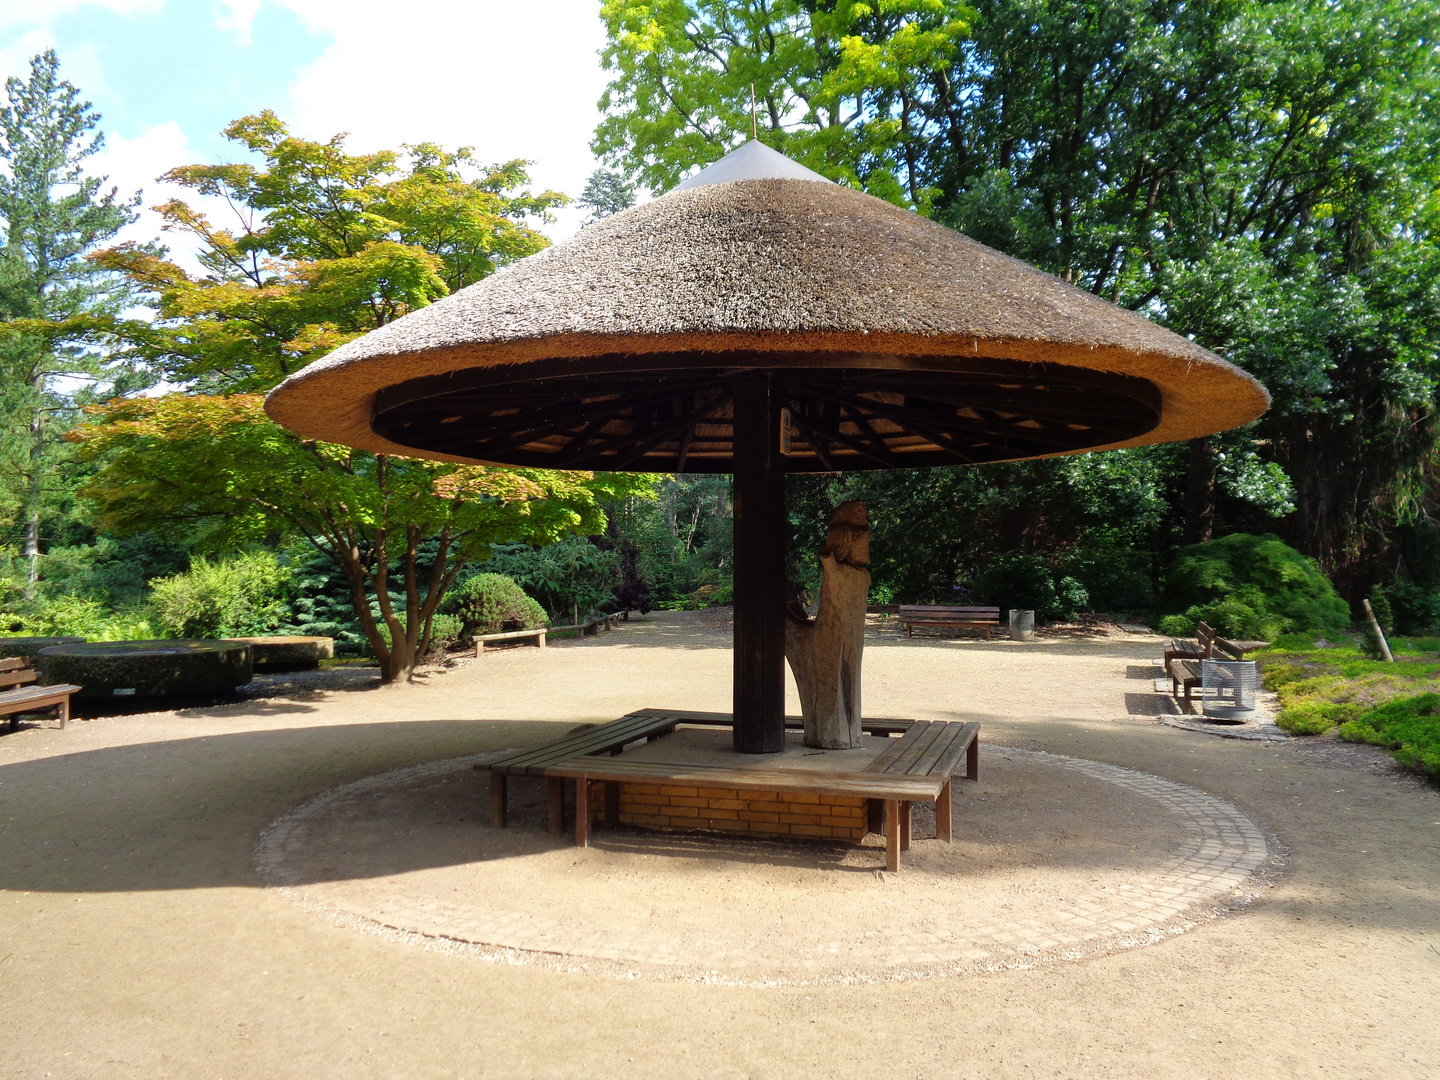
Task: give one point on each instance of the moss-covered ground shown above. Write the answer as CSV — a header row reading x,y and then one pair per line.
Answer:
x,y
1325,683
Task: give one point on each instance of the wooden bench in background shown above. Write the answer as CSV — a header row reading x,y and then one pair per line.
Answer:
x,y
1184,658
941,616
581,629
25,697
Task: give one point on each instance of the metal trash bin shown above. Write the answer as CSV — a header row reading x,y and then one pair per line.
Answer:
x,y
1022,624
1228,689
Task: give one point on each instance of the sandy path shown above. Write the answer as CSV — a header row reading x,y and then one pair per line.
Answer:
x,y
135,939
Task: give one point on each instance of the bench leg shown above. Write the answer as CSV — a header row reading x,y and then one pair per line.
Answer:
x,y
556,797
612,803
1189,688
540,640
65,713
892,835
906,814
972,759
942,813
479,649
499,784
582,811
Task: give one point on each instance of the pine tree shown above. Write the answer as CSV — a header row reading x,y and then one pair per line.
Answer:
x,y
51,215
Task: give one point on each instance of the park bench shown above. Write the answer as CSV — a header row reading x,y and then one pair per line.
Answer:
x,y
25,697
964,618
917,768
611,738
589,626
1183,659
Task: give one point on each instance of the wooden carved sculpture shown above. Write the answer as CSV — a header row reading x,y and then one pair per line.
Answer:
x,y
824,652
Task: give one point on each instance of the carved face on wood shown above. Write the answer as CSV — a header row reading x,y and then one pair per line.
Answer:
x,y
848,538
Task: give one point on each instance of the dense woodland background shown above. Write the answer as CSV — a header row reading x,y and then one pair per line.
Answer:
x,y
1258,176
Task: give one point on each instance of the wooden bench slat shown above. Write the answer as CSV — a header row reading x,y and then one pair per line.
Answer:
x,y
949,762
13,663
597,739
917,745
936,751
859,784
891,753
17,676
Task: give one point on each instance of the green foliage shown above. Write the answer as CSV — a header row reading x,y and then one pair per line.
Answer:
x,y
332,245
1409,728
840,87
1414,607
241,596
1114,577
51,215
79,616
1027,581
607,192
563,576
1250,587
491,603
1315,717
216,469
1260,177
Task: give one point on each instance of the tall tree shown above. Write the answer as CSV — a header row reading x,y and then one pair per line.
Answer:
x,y
216,469
52,214
1259,176
326,246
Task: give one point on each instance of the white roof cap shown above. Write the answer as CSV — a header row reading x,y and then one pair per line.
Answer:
x,y
752,161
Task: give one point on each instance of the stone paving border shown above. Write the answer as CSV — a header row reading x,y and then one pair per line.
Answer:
x,y
1217,869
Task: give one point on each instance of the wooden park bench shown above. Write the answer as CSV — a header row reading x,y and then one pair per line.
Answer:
x,y
611,738
27,697
1184,658
918,768
964,618
581,629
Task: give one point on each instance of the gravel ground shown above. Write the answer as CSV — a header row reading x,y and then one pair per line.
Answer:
x,y
137,937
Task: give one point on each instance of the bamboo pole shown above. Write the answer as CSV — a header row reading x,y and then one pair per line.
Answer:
x,y
1379,633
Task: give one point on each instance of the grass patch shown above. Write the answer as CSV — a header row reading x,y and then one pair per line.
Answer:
x,y
1323,682
1408,727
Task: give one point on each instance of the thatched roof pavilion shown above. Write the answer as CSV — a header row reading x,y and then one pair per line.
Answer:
x,y
760,319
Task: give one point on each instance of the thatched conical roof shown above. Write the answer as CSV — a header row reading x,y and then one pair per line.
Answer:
x,y
623,336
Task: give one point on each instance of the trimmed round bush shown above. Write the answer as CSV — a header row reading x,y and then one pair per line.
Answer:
x,y
288,653
1249,586
28,647
108,669
491,603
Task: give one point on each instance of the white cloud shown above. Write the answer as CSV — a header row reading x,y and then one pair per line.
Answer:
x,y
134,164
514,80
237,16
22,13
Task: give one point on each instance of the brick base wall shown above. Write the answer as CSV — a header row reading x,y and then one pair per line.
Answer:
x,y
767,813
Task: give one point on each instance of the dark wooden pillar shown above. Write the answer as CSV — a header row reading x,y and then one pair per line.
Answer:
x,y
759,701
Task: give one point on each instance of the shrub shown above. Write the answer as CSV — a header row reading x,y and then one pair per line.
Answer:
x,y
445,630
1408,727
1250,587
490,604
1114,577
1415,609
237,597
1315,717
76,616
1026,581
1278,675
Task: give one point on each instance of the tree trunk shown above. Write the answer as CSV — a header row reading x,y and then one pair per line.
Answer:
x,y
825,652
1200,493
34,492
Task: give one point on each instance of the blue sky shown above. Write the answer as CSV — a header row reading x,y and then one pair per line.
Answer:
x,y
511,79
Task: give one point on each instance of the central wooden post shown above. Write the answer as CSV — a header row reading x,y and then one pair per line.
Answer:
x,y
759,702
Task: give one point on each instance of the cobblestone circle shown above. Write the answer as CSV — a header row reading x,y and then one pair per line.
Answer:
x,y
393,854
